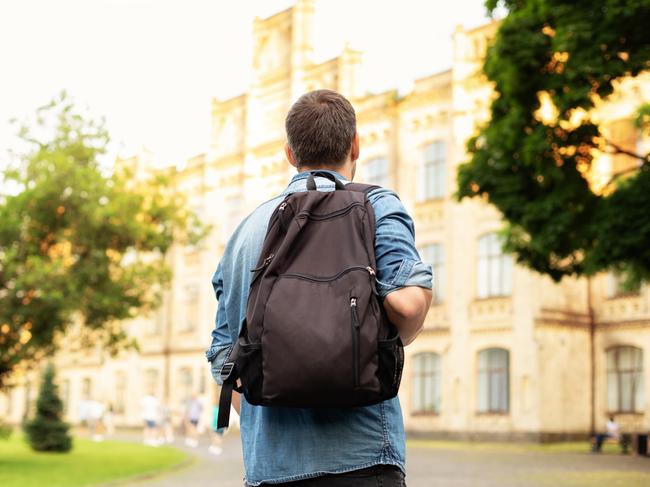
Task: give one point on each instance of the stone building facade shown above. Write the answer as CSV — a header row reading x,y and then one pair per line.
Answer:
x,y
505,352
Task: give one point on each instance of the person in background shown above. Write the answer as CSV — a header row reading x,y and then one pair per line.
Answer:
x,y
84,411
192,417
166,423
217,433
150,407
613,431
95,420
109,425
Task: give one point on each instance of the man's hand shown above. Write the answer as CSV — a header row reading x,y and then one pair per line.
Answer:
x,y
406,309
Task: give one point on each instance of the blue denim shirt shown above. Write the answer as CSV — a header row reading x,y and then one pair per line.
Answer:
x,y
288,444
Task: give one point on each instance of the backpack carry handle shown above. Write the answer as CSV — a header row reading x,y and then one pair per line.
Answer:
x,y
311,182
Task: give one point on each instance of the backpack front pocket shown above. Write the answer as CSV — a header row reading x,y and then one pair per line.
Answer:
x,y
310,356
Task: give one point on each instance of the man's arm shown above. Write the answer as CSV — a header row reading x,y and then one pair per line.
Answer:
x,y
221,340
406,309
404,281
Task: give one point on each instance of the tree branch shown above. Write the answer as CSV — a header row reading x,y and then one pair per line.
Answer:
x,y
617,149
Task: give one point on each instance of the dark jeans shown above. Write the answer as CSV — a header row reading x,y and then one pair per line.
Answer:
x,y
377,476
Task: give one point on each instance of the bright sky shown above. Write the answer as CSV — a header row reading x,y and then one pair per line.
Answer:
x,y
151,67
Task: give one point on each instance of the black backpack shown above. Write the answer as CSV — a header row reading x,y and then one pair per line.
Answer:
x,y
315,334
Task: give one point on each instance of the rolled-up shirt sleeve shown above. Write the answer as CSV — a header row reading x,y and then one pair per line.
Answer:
x,y
398,261
221,341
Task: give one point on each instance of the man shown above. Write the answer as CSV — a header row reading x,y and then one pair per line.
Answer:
x,y
193,411
150,407
612,431
324,447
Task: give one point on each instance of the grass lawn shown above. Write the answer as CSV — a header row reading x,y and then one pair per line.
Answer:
x,y
88,463
514,447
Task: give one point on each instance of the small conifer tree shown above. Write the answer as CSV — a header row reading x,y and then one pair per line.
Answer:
x,y
47,431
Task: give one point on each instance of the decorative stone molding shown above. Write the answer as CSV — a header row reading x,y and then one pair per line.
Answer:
x,y
491,313
437,318
561,317
429,213
623,308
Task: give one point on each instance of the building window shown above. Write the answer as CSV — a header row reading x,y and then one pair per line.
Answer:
x,y
625,380
615,287
65,395
120,393
377,171
151,381
426,393
185,382
155,324
86,389
10,402
233,210
494,268
434,255
431,177
202,381
493,381
191,302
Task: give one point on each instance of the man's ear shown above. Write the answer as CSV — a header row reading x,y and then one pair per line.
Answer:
x,y
289,153
354,150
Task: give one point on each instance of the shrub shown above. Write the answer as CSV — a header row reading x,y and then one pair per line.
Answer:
x,y
47,431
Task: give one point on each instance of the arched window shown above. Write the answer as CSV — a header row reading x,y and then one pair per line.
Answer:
x,y
426,384
625,380
151,382
493,380
377,172
432,173
191,317
185,382
86,389
65,395
494,273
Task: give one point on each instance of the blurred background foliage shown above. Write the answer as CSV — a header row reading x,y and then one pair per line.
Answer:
x,y
80,243
565,57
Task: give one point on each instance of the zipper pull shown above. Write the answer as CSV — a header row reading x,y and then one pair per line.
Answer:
x,y
266,262
355,317
373,276
282,206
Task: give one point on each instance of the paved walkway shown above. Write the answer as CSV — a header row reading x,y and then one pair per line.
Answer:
x,y
439,467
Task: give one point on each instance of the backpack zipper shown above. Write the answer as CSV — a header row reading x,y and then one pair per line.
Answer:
x,y
261,268
266,262
356,330
307,277
327,216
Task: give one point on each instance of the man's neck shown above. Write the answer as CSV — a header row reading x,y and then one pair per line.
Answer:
x,y
345,170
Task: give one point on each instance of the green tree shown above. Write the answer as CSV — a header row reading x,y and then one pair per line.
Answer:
x,y
535,169
47,431
79,243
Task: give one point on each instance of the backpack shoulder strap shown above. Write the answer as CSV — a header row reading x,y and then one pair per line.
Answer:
x,y
361,188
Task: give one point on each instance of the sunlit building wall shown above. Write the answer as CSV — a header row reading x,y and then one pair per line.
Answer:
x,y
505,352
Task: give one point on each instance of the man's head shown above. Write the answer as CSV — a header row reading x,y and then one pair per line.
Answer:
x,y
322,132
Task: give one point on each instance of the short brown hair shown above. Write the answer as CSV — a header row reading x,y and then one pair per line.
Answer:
x,y
320,128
